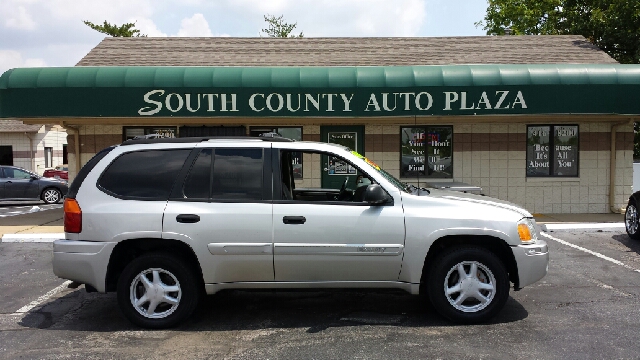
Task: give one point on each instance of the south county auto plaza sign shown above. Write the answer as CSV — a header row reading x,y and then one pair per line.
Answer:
x,y
164,102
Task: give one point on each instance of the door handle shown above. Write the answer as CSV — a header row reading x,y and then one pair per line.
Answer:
x,y
294,219
187,218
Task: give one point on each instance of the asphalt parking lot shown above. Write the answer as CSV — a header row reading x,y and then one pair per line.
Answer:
x,y
588,306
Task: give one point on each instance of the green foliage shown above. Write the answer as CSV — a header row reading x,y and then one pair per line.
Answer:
x,y
125,30
278,28
612,25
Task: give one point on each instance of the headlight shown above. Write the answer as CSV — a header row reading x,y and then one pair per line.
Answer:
x,y
527,231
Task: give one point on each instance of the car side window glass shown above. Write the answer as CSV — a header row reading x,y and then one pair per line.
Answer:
x,y
145,175
237,174
17,174
198,182
344,183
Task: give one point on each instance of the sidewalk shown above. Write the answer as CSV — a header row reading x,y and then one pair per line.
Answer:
x,y
41,226
47,226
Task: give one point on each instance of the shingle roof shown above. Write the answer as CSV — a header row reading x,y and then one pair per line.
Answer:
x,y
221,51
17,126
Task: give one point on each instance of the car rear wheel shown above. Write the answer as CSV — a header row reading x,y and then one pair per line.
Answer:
x,y
468,285
631,220
51,196
157,291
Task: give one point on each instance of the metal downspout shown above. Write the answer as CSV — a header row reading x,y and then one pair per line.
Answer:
x,y
612,167
33,161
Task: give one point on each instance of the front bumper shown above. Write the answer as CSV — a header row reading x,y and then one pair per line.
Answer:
x,y
82,261
532,261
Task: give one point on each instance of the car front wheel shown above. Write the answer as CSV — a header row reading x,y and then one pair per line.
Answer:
x,y
51,195
157,291
631,221
468,285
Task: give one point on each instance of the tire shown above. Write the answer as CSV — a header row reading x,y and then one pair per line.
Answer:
x,y
169,278
483,292
51,195
631,220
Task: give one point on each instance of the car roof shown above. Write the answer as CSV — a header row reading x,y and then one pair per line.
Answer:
x,y
202,139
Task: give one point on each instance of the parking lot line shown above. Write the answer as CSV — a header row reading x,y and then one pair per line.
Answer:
x,y
597,254
42,298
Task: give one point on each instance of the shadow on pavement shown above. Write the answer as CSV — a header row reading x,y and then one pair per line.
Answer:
x,y
255,310
624,239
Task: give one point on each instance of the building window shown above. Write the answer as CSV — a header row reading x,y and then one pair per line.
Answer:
x,y
6,155
426,151
552,151
131,132
291,132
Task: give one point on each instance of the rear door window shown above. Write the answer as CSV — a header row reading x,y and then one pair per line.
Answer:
x,y
143,175
226,174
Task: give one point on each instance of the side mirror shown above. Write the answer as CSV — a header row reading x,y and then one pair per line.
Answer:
x,y
33,177
375,195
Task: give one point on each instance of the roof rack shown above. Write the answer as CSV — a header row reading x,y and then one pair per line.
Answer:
x,y
166,140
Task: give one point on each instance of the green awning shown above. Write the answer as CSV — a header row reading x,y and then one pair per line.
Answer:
x,y
320,91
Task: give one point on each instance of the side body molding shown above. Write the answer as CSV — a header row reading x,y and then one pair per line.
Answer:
x,y
240,248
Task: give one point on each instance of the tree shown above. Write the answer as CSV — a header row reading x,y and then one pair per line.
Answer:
x,y
125,30
278,28
612,25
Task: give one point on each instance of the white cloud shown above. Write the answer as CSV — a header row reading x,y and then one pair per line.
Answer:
x,y
342,18
18,18
96,11
194,26
147,27
10,59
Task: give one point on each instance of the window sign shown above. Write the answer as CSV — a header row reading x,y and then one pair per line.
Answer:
x,y
426,151
565,143
132,132
538,146
439,152
337,166
293,133
552,151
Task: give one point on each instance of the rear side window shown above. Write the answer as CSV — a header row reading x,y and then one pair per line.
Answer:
x,y
226,174
198,182
144,175
86,169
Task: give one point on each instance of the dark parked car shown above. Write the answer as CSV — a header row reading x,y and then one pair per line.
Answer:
x,y
60,171
20,184
631,216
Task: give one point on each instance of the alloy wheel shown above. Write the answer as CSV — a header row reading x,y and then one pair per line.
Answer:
x,y
631,219
470,286
155,293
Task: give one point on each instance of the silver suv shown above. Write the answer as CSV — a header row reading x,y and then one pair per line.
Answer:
x,y
161,221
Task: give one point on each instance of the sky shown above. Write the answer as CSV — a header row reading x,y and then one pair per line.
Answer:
x,y
38,33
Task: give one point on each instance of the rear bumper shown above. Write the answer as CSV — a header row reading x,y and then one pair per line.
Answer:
x,y
533,262
82,261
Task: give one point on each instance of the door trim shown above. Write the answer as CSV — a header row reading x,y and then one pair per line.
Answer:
x,y
337,249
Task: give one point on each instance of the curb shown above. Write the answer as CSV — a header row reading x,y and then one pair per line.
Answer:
x,y
32,238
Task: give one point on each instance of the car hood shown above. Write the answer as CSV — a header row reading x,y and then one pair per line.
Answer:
x,y
476,199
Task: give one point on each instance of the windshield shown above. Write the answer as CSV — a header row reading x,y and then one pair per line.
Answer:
x,y
397,183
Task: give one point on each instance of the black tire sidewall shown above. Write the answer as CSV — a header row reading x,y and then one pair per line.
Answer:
x,y
635,236
176,266
438,273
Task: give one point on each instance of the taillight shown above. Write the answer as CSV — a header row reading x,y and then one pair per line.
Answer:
x,y
72,216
